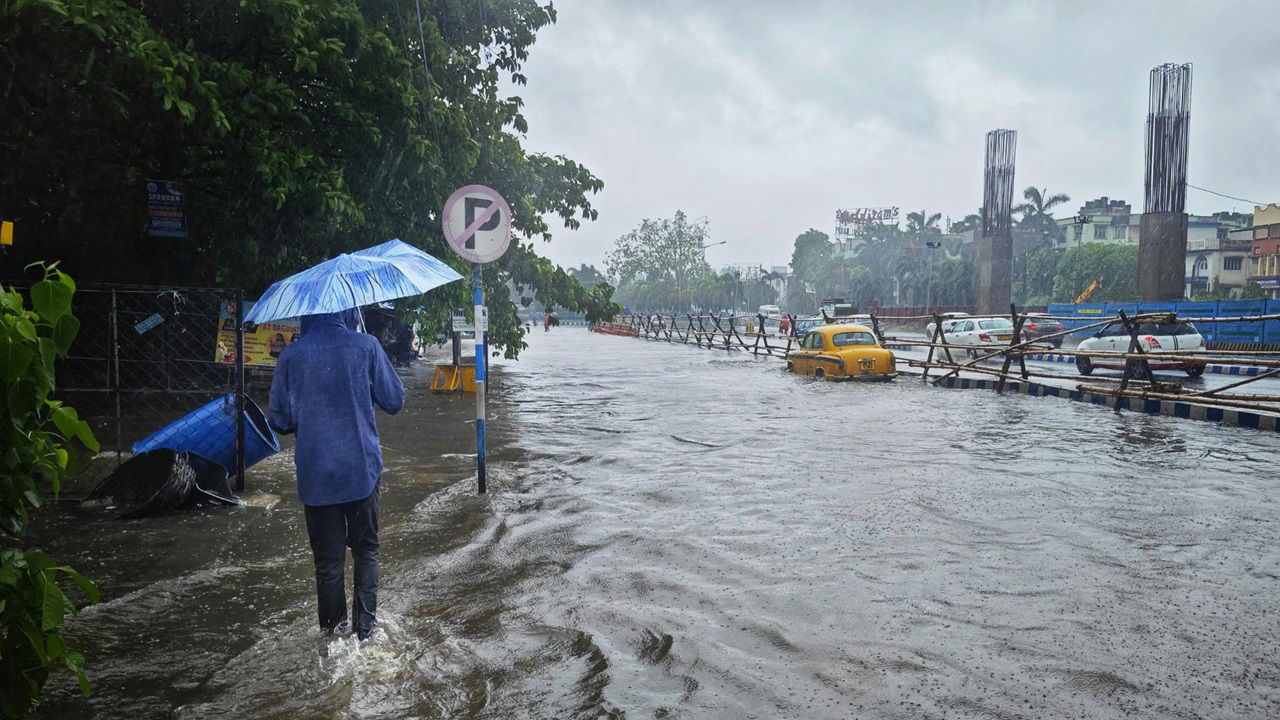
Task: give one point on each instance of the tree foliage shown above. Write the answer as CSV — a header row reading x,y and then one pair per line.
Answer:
x,y
587,274
659,263
35,448
1079,266
295,129
915,264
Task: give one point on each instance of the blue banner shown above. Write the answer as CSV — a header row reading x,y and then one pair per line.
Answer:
x,y
1240,332
165,217
1271,329
1193,309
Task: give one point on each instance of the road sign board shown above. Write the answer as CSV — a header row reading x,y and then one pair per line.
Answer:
x,y
477,223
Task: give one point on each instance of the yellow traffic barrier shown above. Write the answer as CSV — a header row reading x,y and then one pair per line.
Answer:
x,y
449,378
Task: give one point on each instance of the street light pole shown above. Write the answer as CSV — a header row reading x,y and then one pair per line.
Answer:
x,y
704,255
932,245
1082,219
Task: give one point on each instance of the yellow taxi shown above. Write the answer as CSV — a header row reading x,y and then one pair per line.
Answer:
x,y
837,352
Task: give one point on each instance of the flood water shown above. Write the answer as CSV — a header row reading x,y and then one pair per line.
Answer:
x,y
680,533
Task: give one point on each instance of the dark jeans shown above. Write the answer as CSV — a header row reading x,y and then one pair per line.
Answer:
x,y
333,529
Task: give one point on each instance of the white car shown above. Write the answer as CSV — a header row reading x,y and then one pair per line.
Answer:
x,y
1155,338
949,321
772,312
979,331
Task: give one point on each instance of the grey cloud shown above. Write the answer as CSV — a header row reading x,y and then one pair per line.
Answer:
x,y
767,116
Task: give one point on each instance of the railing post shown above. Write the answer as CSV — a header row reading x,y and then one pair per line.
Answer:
x,y
1134,366
933,342
1013,341
113,372
239,298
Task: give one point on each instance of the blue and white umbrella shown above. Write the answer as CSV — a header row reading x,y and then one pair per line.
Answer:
x,y
384,272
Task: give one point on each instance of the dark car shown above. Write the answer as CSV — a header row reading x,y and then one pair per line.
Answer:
x,y
804,325
1037,327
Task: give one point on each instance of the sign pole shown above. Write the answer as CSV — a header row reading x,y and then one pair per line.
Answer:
x,y
482,327
477,225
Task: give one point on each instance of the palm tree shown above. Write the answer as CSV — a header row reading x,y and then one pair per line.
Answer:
x,y
1036,210
922,222
972,221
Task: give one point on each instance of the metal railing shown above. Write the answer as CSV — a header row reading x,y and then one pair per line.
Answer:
x,y
146,357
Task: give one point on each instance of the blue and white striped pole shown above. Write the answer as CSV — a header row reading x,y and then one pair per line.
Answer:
x,y
481,324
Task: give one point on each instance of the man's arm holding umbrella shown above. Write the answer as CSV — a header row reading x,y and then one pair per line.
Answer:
x,y
387,388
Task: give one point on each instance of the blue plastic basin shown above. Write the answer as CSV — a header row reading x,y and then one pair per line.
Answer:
x,y
211,431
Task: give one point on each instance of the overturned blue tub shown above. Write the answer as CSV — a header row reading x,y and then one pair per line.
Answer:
x,y
210,431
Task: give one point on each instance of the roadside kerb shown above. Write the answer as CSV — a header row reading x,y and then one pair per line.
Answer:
x,y
1151,406
1241,370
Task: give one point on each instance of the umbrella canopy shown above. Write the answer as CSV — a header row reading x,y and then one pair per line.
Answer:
x,y
384,272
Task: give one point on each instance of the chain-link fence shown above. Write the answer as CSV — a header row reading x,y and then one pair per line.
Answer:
x,y
163,360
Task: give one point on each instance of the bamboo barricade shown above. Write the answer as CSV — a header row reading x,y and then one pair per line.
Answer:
x,y
714,332
1137,380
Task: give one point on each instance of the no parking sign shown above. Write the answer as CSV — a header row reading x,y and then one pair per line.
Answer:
x,y
477,225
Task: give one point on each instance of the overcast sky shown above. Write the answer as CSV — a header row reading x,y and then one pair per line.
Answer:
x,y
765,117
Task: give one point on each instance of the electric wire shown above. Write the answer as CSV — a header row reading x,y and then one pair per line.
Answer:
x,y
1229,197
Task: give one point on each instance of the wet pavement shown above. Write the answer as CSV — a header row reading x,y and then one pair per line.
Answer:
x,y
674,532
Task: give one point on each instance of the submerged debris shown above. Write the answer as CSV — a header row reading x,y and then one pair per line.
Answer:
x,y
160,481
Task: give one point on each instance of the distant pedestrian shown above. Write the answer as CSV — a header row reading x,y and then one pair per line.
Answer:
x,y
324,389
546,323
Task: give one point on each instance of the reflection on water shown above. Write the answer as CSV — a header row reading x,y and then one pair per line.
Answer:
x,y
674,532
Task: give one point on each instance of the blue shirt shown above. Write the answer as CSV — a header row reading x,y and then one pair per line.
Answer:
x,y
324,389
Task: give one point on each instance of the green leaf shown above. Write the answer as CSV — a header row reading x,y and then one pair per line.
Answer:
x,y
75,661
38,560
15,356
54,606
64,333
35,641
86,586
25,328
54,646
71,426
65,279
51,299
33,498
11,301
48,353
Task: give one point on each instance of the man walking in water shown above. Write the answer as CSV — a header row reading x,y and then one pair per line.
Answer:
x,y
324,389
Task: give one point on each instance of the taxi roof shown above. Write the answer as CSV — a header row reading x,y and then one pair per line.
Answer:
x,y
841,327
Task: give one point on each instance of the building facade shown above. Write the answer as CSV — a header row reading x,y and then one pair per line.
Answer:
x,y
1215,259
1264,237
1218,263
1113,222
1099,221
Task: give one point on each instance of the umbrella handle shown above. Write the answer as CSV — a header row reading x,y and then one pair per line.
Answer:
x,y
355,303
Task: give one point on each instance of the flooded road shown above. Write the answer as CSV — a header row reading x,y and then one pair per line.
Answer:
x,y
680,533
